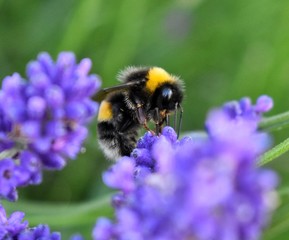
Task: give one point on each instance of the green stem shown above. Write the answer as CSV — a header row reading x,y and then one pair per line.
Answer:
x,y
276,122
63,215
275,152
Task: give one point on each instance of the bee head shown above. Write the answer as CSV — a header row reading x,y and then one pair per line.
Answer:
x,y
167,96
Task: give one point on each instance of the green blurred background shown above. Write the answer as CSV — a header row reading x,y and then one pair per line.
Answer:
x,y
223,50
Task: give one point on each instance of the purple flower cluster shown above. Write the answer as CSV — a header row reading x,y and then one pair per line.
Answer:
x,y
244,108
242,111
16,173
207,188
14,227
43,120
239,120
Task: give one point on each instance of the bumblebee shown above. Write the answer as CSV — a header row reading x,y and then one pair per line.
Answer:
x,y
146,94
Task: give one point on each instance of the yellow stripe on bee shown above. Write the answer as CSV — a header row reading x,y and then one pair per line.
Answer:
x,y
105,111
157,76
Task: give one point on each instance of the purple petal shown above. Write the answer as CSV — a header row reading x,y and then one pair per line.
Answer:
x,y
121,175
264,104
36,107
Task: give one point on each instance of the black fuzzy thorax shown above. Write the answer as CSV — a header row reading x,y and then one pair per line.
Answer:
x,y
137,75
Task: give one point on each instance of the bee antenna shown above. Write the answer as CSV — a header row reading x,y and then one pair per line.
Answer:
x,y
167,120
180,120
158,121
175,115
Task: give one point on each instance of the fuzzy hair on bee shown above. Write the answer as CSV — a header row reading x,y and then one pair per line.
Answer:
x,y
146,94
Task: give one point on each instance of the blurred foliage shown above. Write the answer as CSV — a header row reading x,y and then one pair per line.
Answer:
x,y
222,49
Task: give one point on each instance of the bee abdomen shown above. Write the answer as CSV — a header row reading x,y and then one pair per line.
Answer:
x,y
113,143
127,142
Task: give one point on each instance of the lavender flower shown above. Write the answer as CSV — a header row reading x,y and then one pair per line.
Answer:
x,y
43,120
244,117
8,182
193,189
244,108
242,111
39,232
21,172
14,227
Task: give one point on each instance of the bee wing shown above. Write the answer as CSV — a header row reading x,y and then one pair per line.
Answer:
x,y
105,91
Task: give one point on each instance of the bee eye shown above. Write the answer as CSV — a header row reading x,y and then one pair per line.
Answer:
x,y
167,93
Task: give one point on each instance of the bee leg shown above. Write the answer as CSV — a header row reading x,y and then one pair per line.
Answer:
x,y
140,114
180,120
145,126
